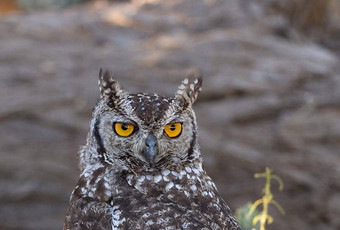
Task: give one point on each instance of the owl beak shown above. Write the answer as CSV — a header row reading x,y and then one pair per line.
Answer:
x,y
151,148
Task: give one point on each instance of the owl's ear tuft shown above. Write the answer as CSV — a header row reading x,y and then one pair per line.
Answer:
x,y
188,91
109,88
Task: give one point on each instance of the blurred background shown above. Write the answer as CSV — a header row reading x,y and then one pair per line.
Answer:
x,y
271,96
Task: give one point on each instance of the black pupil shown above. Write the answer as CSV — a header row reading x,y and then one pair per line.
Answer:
x,y
172,127
124,127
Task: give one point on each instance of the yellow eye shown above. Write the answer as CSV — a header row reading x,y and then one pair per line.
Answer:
x,y
173,130
123,129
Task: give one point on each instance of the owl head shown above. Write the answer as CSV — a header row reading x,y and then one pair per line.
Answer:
x,y
142,131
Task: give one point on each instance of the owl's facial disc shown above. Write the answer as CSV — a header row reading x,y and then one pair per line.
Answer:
x,y
147,130
144,129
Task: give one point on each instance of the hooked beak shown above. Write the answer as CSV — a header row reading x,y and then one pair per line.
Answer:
x,y
151,149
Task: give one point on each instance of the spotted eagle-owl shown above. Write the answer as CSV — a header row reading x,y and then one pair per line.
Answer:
x,y
142,168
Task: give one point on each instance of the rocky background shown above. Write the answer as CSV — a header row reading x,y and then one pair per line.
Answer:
x,y
271,96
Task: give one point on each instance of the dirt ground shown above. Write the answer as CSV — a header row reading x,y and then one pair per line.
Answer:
x,y
271,97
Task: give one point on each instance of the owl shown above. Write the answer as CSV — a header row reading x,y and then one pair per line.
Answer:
x,y
142,168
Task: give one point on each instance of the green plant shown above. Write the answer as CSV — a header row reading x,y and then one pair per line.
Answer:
x,y
267,199
244,219
248,215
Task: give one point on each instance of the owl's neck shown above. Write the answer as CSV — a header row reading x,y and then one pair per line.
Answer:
x,y
167,180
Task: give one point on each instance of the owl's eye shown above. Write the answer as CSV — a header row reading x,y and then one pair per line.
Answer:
x,y
173,130
123,129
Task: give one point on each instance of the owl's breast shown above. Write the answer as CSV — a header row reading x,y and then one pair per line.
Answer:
x,y
186,199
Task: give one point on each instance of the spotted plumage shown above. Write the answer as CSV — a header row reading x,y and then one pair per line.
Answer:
x,y
143,176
